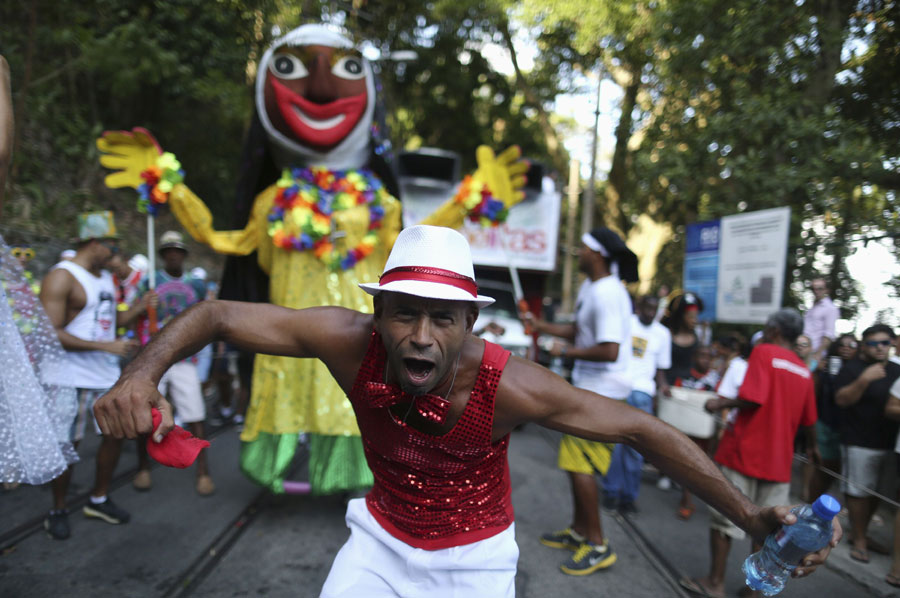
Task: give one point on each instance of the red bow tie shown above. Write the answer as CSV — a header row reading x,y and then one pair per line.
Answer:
x,y
431,407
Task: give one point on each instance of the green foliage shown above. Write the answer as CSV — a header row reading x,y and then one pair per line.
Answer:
x,y
745,106
176,67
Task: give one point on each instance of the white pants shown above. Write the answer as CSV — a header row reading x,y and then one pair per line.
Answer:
x,y
374,564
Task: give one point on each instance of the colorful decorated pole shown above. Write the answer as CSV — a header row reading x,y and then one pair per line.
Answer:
x,y
158,182
519,295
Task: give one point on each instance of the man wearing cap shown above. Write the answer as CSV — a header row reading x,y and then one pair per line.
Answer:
x,y
601,335
177,291
435,406
79,298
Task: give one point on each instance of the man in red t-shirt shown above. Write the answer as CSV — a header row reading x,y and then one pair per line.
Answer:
x,y
775,400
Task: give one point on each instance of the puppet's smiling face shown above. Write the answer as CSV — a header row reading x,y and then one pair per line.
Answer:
x,y
315,94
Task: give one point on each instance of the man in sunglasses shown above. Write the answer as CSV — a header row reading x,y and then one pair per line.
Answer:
x,y
867,436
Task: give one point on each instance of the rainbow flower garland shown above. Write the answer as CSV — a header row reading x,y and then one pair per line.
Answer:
x,y
300,219
481,206
158,182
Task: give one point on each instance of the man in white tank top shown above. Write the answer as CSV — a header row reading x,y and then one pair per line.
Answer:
x,y
79,298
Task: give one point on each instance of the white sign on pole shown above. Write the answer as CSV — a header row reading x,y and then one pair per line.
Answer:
x,y
531,232
752,259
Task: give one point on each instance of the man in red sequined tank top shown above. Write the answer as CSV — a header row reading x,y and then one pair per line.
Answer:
x,y
435,406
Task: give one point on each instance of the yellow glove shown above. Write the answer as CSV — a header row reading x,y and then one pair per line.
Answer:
x,y
504,175
129,154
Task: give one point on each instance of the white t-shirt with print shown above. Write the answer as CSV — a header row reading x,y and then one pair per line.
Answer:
x,y
651,350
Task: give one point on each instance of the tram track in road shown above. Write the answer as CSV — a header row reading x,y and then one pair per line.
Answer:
x,y
666,570
191,578
10,538
206,562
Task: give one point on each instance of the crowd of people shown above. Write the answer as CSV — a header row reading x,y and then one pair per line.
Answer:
x,y
102,309
796,385
419,380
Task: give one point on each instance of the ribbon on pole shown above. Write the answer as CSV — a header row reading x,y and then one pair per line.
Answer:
x,y
152,321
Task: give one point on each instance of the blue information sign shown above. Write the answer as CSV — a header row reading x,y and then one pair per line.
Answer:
x,y
701,265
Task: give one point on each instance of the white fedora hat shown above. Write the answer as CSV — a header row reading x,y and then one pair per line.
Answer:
x,y
430,261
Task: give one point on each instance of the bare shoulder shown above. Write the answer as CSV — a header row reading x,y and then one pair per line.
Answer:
x,y
341,339
527,392
338,323
57,283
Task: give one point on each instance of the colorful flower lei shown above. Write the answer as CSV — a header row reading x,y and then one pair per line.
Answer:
x,y
158,182
480,205
300,219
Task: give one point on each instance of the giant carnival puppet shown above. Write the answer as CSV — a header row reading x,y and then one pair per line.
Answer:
x,y
321,216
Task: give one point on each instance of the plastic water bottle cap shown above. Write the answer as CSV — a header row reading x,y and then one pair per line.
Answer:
x,y
826,507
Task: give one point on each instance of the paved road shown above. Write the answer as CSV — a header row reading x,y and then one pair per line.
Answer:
x,y
244,542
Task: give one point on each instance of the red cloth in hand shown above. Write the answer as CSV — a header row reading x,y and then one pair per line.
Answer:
x,y
177,449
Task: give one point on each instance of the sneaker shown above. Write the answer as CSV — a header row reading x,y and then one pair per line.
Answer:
x,y
627,507
610,503
238,419
664,483
567,538
142,481
589,558
107,511
57,524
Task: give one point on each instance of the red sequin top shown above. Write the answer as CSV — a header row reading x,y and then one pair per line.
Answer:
x,y
430,491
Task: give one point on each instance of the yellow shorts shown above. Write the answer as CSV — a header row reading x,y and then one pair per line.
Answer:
x,y
584,456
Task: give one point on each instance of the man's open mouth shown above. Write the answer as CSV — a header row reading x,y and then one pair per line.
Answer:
x,y
418,370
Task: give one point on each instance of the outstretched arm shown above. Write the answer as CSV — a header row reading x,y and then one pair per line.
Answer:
x,y
528,392
335,335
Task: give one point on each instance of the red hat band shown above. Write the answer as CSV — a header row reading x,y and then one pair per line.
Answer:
x,y
424,274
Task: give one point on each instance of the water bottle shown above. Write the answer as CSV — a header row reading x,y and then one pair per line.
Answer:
x,y
769,569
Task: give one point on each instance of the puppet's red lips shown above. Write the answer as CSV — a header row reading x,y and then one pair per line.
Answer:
x,y
315,124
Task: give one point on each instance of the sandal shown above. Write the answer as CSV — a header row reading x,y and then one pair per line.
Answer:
x,y
859,554
892,580
684,513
